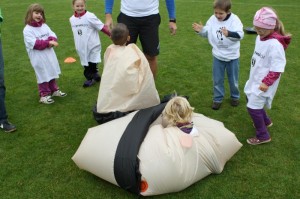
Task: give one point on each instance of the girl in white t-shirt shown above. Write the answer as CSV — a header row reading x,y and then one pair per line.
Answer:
x,y
267,64
85,26
39,41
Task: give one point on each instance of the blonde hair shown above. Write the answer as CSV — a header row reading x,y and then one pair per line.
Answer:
x,y
279,25
178,110
34,8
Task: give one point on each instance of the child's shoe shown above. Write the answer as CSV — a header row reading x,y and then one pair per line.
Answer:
x,y
255,141
58,93
46,100
216,105
88,83
268,125
234,102
96,77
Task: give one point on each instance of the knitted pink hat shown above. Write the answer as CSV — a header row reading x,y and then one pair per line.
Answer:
x,y
265,18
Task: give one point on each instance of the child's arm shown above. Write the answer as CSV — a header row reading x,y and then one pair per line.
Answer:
x,y
97,24
43,44
105,30
197,27
232,35
51,38
200,29
269,80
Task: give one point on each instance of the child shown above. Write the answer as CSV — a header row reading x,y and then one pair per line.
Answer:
x,y
224,31
127,81
85,26
267,64
178,112
39,41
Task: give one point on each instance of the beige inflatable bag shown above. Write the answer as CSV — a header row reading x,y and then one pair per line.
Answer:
x,y
166,165
127,82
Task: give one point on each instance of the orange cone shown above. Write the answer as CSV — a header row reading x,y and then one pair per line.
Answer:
x,y
70,60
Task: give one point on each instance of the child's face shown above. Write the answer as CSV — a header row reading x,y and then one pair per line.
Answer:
x,y
79,6
220,14
37,16
262,32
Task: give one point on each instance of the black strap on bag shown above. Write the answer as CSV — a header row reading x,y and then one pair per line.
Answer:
x,y
126,162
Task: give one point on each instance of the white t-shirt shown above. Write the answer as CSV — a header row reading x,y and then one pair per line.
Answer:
x,y
87,42
139,8
268,56
223,48
44,62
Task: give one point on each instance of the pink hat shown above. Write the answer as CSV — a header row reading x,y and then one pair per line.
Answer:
x,y
265,18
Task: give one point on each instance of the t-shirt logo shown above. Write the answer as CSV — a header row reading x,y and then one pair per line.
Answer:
x,y
253,61
220,34
79,32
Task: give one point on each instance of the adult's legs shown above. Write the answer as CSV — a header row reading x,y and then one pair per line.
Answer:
x,y
153,64
3,114
4,124
146,28
149,37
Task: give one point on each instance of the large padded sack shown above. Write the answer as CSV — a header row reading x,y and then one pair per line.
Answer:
x,y
127,83
164,164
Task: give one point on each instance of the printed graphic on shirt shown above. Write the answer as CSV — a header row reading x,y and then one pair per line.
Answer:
x,y
253,61
220,38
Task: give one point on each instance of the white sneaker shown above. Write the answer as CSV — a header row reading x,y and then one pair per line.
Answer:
x,y
58,93
46,100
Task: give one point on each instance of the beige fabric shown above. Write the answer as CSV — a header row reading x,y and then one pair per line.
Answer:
x,y
165,164
127,82
171,167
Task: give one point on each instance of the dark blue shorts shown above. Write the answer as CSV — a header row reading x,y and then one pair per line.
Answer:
x,y
146,28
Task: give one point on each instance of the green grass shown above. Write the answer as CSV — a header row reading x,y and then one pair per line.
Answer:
x,y
35,161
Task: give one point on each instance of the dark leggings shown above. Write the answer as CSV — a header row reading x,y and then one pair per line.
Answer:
x,y
90,70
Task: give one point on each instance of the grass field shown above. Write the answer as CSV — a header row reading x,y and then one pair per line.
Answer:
x,y
35,161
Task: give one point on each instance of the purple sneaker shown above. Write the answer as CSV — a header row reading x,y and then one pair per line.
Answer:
x,y
96,77
88,83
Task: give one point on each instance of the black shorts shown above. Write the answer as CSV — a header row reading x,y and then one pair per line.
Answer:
x,y
146,28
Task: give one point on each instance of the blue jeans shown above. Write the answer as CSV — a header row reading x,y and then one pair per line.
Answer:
x,y
3,115
232,69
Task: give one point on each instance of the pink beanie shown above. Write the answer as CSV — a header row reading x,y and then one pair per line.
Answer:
x,y
265,18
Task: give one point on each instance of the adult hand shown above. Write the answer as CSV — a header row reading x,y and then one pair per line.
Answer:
x,y
108,21
173,28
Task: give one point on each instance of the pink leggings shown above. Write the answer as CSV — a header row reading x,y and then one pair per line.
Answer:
x,y
47,88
